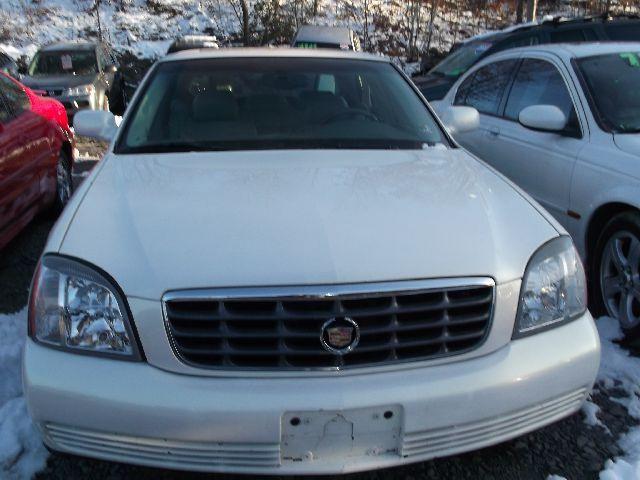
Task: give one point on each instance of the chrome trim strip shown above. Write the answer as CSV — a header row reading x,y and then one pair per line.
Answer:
x,y
354,290
327,291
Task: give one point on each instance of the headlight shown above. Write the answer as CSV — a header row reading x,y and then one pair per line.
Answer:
x,y
80,90
553,288
76,308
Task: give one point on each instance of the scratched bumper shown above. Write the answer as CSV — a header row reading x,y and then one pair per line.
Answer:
x,y
136,413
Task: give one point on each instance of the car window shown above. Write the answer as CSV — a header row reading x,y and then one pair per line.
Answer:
x,y
623,32
459,61
277,103
523,41
15,97
102,59
6,65
569,35
539,82
107,58
485,89
590,34
79,62
618,74
5,114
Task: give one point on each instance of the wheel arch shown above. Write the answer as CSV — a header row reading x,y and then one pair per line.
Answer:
x,y
599,219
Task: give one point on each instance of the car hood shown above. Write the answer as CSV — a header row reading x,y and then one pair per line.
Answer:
x,y
57,81
179,221
628,142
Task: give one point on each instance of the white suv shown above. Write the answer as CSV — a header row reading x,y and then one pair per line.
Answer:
x,y
563,122
284,265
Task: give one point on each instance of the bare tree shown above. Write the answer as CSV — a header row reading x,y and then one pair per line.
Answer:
x,y
96,8
414,17
519,10
432,18
532,7
241,9
360,11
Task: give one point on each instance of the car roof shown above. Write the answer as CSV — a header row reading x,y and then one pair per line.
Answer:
x,y
265,52
578,50
80,45
552,23
323,34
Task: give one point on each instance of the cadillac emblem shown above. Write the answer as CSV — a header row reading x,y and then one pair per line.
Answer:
x,y
340,335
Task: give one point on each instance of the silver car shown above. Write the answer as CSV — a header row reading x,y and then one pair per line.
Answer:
x,y
81,75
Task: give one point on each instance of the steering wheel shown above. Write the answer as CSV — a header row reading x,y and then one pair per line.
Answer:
x,y
348,114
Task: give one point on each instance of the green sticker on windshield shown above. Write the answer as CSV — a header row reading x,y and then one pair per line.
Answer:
x,y
632,58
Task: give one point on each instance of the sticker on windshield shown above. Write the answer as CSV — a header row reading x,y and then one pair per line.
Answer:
x,y
66,62
632,58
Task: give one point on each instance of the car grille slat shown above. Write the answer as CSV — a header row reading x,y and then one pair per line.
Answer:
x,y
283,331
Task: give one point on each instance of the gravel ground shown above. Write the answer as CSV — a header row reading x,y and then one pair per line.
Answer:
x,y
570,448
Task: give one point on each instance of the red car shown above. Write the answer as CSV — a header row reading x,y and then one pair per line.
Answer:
x,y
36,156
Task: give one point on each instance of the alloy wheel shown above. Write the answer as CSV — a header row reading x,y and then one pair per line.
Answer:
x,y
620,278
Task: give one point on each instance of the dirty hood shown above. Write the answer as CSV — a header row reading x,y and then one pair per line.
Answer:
x,y
195,220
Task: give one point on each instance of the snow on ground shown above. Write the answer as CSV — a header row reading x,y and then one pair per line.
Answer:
x,y
21,450
590,411
619,369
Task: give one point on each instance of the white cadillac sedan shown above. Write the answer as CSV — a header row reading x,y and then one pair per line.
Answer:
x,y
284,265
563,122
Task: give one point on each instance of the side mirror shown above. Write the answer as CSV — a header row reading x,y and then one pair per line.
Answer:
x,y
96,124
547,118
460,119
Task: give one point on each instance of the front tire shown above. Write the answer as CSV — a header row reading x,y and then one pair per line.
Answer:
x,y
64,183
615,272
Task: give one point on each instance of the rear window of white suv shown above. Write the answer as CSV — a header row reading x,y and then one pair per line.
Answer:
x,y
276,103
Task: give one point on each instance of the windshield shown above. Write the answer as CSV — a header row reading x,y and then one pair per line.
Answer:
x,y
276,103
64,63
613,81
461,60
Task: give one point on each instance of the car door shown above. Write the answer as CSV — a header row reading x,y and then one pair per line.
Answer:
x,y
24,150
540,162
484,90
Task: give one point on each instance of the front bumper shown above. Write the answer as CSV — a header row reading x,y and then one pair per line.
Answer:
x,y
136,413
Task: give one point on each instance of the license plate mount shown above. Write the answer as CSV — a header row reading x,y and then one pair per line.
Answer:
x,y
340,435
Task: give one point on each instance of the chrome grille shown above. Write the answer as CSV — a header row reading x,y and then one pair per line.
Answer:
x,y
280,328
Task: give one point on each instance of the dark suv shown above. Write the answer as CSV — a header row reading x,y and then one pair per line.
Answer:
x,y
436,83
81,75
